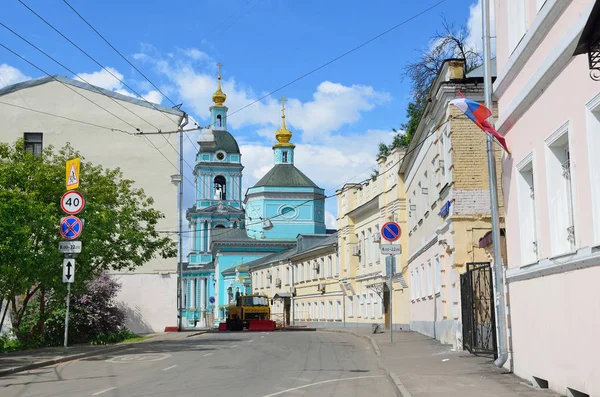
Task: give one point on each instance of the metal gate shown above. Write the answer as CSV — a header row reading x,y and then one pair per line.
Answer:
x,y
478,317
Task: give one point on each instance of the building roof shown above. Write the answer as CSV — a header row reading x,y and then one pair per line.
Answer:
x,y
230,235
223,141
276,257
80,84
216,209
285,175
201,268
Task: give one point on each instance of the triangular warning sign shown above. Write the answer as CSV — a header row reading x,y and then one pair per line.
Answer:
x,y
72,176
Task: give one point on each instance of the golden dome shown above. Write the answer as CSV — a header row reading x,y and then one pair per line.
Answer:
x,y
219,96
283,135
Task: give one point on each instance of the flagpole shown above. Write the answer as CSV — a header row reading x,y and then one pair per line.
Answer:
x,y
498,262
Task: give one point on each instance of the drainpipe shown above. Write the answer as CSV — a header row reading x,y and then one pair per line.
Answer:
x,y
498,262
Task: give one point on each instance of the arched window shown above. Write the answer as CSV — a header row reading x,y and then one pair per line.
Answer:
x,y
220,187
235,225
219,121
220,227
285,157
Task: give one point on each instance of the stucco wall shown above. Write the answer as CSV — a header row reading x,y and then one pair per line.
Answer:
x,y
149,301
554,323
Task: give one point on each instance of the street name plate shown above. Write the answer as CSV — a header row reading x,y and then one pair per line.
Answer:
x,y
391,249
69,247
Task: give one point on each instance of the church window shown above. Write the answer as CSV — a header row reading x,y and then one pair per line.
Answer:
x,y
220,226
219,121
285,157
220,187
287,211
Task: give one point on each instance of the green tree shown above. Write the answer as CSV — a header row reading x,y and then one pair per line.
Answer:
x,y
119,225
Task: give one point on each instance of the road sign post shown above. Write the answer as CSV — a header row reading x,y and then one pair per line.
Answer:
x,y
72,202
391,232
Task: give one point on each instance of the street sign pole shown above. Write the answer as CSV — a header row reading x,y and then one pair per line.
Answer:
x,y
392,263
67,313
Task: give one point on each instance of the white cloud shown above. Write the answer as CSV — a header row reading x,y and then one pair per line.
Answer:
x,y
110,79
474,24
196,54
153,96
330,220
103,78
10,75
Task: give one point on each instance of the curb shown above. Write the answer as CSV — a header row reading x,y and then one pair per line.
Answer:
x,y
401,390
373,343
65,359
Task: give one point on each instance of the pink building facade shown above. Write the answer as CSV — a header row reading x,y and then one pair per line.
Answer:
x,y
549,112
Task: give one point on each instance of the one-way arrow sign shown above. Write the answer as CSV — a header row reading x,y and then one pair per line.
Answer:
x,y
68,270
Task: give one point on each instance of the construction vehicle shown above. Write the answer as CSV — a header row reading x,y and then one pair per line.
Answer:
x,y
251,312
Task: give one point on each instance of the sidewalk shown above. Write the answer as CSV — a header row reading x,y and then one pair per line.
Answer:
x,y
30,359
421,366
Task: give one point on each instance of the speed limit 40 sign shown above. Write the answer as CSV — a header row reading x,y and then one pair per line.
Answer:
x,y
72,202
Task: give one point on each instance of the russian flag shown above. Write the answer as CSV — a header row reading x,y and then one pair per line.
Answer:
x,y
479,115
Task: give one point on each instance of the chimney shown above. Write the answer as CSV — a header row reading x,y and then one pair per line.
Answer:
x,y
456,69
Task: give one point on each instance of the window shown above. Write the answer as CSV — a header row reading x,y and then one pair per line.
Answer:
x,y
322,311
337,265
429,279
423,282
438,275
413,286
287,210
33,142
560,198
315,310
303,314
417,284
593,139
338,314
371,305
307,265
368,247
220,184
350,306
219,121
516,23
526,205
365,313
330,312
287,275
284,156
363,247
329,267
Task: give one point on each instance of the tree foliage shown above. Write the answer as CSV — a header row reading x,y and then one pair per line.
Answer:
x,y
450,42
119,225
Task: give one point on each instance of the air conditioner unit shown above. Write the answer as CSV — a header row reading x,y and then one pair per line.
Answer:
x,y
278,282
376,237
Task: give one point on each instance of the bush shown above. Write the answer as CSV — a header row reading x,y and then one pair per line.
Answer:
x,y
8,344
104,338
93,317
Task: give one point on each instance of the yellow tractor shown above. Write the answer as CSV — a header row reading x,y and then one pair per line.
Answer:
x,y
251,312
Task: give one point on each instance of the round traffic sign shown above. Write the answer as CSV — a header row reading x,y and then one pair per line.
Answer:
x,y
71,227
211,299
72,202
391,231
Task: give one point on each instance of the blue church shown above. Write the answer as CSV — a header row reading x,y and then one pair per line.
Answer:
x,y
226,230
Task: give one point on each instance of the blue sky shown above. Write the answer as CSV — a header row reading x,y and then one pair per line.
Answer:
x,y
338,114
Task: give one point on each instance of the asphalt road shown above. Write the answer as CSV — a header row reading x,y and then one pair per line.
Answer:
x,y
316,364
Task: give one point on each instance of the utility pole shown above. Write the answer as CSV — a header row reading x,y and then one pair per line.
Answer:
x,y
180,226
498,262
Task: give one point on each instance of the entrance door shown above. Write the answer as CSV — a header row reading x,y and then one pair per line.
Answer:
x,y
386,307
287,309
478,317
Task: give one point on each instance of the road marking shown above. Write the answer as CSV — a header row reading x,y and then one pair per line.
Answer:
x,y
262,337
320,383
171,367
234,346
103,391
207,354
251,340
137,358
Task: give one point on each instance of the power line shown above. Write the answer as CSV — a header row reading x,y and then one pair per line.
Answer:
x,y
66,118
338,57
343,189
81,78
96,104
118,52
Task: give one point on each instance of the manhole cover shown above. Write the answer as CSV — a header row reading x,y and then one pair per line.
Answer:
x,y
138,358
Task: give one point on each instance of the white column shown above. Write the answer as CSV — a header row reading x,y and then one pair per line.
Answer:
x,y
208,242
203,292
192,300
201,246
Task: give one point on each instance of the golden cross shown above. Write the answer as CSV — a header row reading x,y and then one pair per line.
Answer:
x,y
219,66
283,101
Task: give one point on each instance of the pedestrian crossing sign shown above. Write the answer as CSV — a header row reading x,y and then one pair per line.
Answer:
x,y
73,173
